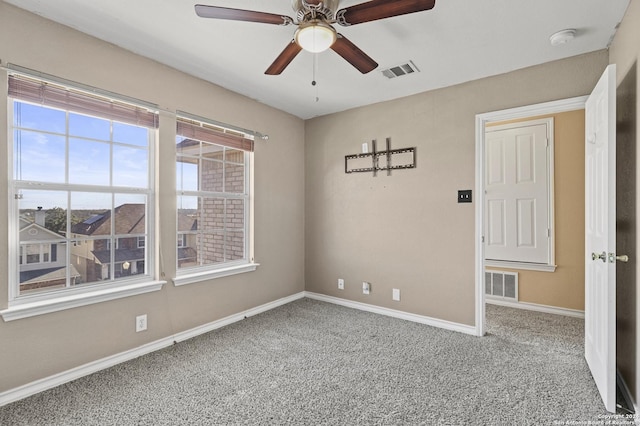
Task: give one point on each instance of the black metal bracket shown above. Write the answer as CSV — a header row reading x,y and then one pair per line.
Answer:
x,y
353,163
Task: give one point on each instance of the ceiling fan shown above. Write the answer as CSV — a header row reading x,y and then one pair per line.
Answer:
x,y
315,32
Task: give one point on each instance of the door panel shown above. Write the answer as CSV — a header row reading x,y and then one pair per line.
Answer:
x,y
526,223
496,225
517,198
600,236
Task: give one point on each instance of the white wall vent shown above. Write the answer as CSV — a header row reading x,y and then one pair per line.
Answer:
x,y
400,70
501,285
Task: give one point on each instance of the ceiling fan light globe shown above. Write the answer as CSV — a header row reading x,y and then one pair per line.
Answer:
x,y
315,37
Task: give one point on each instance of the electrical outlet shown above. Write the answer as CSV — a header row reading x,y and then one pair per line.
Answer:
x,y
366,287
340,284
395,294
141,323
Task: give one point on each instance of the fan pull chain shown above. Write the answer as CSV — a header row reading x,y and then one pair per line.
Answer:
x,y
313,81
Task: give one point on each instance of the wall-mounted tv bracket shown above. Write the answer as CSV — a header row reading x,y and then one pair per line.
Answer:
x,y
393,159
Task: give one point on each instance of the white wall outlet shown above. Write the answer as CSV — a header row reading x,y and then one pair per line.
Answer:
x,y
340,284
365,148
395,294
366,287
141,323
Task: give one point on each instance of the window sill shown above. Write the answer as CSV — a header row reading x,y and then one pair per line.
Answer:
x,y
213,274
521,265
26,310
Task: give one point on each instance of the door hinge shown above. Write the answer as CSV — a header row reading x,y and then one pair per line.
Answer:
x,y
549,232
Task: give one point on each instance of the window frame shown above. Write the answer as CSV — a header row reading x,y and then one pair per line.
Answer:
x,y
26,305
197,273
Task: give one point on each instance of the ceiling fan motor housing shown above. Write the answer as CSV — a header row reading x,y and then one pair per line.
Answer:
x,y
315,9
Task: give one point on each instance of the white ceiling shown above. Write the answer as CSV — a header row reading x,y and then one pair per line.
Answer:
x,y
456,41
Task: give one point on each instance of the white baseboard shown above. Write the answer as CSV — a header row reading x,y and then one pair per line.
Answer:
x,y
536,307
447,325
37,386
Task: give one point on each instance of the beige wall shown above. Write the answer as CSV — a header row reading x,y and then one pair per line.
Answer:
x,y
625,52
407,230
563,288
41,346
404,231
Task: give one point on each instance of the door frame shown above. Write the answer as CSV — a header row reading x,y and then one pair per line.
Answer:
x,y
545,108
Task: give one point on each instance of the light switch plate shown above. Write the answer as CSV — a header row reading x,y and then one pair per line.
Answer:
x,y
464,196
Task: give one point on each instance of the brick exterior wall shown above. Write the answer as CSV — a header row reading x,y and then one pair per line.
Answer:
x,y
220,240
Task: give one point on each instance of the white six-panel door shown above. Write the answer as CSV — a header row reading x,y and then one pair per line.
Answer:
x,y
600,236
517,192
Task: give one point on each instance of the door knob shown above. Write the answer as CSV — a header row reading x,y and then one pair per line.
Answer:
x,y
622,258
602,256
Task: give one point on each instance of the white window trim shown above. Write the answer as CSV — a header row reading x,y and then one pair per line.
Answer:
x,y
211,274
32,305
19,310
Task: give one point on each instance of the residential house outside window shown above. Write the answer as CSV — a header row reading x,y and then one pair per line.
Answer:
x,y
213,168
82,183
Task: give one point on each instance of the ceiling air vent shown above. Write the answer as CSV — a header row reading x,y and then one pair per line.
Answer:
x,y
400,70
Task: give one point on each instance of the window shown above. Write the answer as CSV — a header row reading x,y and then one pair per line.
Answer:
x,y
213,167
38,253
82,181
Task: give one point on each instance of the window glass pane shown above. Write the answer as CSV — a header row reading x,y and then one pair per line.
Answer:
x,y
234,178
39,157
185,146
212,175
211,248
90,214
90,127
130,167
130,214
129,134
235,245
92,259
186,174
187,213
235,213
42,227
88,162
36,117
46,211
212,151
187,250
234,156
212,213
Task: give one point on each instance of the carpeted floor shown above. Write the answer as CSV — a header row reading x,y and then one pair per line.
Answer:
x,y
314,363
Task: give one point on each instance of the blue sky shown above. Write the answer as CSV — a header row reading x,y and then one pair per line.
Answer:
x,y
40,155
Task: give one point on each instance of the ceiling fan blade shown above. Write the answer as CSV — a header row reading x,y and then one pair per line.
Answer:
x,y
380,9
216,12
284,59
352,54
